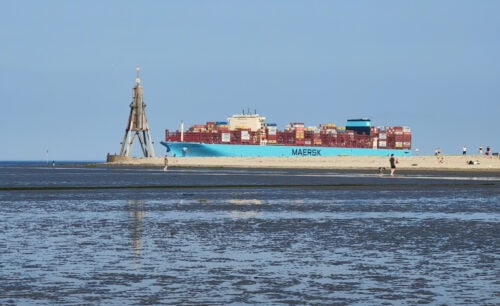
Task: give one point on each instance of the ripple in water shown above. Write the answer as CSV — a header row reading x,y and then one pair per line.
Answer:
x,y
250,245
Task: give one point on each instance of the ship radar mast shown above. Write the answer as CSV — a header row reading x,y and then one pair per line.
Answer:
x,y
137,126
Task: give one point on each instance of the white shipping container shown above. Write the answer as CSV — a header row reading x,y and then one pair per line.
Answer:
x,y
245,135
271,130
382,136
382,144
297,124
226,137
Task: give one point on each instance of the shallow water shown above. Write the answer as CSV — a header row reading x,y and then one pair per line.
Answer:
x,y
140,236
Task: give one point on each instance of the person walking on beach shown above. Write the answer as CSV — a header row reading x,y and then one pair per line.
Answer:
x,y
464,150
165,162
480,150
392,161
487,151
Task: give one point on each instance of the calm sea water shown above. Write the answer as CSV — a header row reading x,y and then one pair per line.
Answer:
x,y
117,236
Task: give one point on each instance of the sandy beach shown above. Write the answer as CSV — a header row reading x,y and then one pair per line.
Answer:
x,y
445,163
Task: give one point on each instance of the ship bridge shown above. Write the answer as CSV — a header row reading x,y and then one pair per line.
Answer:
x,y
252,122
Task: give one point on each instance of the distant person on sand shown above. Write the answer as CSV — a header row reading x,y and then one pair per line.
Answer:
x,y
464,150
381,171
392,161
487,150
165,162
480,150
440,158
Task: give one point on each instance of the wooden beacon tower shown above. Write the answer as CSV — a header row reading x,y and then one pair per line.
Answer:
x,y
137,126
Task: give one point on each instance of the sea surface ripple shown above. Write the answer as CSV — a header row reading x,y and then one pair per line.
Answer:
x,y
130,236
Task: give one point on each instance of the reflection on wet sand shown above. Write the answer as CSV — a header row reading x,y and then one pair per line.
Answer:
x,y
238,214
245,214
137,216
245,201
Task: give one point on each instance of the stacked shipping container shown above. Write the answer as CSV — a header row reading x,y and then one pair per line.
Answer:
x,y
326,135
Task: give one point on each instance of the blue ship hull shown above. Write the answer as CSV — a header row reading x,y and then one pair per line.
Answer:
x,y
195,149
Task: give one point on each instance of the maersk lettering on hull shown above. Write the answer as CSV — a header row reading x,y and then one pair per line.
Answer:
x,y
306,152
194,149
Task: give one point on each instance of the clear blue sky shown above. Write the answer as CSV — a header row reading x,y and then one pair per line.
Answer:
x,y
68,68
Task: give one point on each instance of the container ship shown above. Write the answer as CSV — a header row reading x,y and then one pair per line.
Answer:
x,y
248,135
